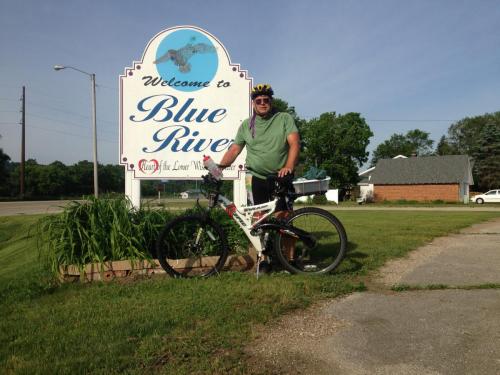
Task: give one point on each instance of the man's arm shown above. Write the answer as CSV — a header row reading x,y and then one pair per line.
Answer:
x,y
293,140
230,155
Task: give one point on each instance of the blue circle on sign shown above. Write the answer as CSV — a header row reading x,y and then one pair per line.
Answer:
x,y
186,59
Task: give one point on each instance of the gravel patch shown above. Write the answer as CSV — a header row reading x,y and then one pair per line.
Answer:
x,y
278,346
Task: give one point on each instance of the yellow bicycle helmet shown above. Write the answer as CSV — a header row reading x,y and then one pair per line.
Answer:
x,y
262,89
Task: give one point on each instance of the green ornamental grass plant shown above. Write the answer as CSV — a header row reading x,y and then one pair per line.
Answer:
x,y
106,229
97,231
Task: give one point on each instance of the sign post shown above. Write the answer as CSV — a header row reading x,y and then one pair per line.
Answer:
x,y
183,100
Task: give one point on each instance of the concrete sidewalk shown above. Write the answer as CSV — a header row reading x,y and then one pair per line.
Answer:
x,y
469,258
449,331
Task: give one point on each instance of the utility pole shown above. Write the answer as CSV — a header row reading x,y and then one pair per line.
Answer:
x,y
23,144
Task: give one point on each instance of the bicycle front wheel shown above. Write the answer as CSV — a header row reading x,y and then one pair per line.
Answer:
x,y
191,246
321,252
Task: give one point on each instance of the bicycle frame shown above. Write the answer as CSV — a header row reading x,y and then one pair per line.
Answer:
x,y
243,217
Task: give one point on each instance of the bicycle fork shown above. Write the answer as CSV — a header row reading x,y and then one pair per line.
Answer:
x,y
194,248
264,241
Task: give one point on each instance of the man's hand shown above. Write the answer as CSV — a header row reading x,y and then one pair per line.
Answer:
x,y
284,171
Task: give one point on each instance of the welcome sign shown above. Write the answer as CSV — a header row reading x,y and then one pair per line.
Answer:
x,y
183,100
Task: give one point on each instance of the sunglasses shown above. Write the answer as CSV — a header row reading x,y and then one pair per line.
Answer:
x,y
262,101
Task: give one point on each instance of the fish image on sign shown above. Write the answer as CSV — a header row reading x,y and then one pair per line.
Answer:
x,y
187,56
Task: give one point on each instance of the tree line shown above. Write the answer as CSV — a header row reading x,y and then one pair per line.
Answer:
x,y
57,180
334,142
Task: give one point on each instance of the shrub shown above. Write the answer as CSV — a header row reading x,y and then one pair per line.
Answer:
x,y
97,231
438,201
320,199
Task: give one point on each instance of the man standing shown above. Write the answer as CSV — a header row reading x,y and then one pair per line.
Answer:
x,y
273,145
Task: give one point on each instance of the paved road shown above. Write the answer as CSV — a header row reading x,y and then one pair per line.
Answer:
x,y
31,207
455,330
44,207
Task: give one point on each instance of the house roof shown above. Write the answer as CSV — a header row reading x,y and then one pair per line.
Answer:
x,y
364,177
423,170
366,172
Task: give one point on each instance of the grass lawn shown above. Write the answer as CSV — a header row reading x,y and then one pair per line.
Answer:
x,y
172,326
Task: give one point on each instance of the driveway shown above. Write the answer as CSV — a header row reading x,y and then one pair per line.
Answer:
x,y
451,330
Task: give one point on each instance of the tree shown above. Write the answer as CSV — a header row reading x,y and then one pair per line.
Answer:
x,y
281,105
444,147
479,138
337,143
486,155
54,180
32,172
111,178
82,178
413,142
464,134
4,173
420,141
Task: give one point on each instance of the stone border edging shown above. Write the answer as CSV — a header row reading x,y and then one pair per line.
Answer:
x,y
108,271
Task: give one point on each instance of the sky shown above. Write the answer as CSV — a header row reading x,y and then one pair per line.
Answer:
x,y
401,64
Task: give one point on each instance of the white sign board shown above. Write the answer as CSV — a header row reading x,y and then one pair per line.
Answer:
x,y
183,100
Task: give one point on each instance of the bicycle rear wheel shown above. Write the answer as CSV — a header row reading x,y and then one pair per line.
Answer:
x,y
321,255
192,246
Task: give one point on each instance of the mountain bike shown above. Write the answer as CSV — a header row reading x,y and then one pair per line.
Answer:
x,y
309,241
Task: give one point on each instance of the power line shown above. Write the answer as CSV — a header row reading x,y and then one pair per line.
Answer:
x,y
57,109
71,134
46,94
69,112
107,87
65,122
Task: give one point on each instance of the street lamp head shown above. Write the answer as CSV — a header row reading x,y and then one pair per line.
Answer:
x,y
59,67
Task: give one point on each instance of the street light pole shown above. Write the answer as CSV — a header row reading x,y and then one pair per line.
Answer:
x,y
94,123
94,136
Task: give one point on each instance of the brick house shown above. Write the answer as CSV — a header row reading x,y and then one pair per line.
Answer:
x,y
426,178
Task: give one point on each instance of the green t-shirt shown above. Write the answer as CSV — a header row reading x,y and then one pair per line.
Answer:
x,y
268,150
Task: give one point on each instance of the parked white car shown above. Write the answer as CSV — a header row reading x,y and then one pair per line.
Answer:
x,y
491,196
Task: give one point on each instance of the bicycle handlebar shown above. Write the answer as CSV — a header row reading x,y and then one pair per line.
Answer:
x,y
282,186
